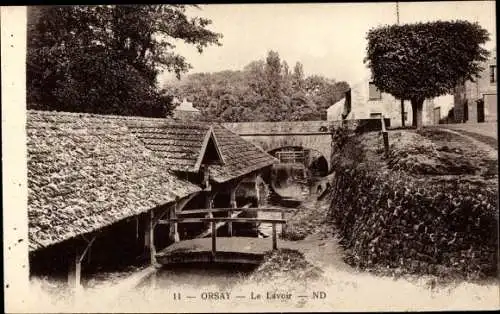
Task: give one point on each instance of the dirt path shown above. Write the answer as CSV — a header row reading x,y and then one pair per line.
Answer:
x,y
489,149
487,129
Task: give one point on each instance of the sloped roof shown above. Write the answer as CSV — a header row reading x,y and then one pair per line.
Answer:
x,y
86,172
240,156
182,146
179,144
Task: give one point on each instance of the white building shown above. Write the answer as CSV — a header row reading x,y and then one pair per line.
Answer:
x,y
186,111
367,102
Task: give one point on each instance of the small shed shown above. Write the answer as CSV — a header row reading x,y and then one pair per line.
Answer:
x,y
86,173
209,155
206,154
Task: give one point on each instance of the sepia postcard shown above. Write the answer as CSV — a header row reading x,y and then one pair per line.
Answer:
x,y
250,157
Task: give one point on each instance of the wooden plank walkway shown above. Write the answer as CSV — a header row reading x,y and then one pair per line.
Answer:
x,y
245,250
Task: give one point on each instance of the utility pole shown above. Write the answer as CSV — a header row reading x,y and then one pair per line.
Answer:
x,y
402,100
397,12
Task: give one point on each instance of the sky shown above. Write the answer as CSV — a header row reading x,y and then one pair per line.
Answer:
x,y
328,38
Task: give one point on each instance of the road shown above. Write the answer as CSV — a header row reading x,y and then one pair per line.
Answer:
x,y
484,132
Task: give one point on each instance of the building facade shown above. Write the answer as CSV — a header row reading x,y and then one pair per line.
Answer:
x,y
185,111
476,102
365,101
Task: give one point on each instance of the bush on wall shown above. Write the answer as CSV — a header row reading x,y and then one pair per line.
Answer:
x,y
392,218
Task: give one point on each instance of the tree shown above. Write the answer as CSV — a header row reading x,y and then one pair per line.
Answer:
x,y
425,60
273,75
254,74
105,59
286,77
262,91
298,76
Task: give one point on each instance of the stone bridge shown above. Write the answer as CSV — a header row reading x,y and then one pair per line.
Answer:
x,y
313,135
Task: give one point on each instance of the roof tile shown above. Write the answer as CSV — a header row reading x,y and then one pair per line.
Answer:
x,y
86,172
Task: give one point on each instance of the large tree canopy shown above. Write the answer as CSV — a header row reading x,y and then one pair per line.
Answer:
x,y
105,59
425,60
265,90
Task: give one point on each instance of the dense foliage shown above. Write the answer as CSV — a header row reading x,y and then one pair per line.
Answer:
x,y
105,59
425,60
403,219
265,90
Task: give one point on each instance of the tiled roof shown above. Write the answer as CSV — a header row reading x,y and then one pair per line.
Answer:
x,y
241,157
181,146
86,172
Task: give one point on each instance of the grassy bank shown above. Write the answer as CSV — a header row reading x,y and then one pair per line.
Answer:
x,y
430,208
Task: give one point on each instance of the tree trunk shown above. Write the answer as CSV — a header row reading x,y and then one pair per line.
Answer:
x,y
402,113
417,106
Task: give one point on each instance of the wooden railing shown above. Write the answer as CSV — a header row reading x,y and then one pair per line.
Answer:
x,y
214,221
291,156
229,209
234,210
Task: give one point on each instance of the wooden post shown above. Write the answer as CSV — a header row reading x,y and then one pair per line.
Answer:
x,y
174,231
149,237
257,192
275,240
75,270
214,239
75,265
386,143
146,233
257,196
230,212
283,226
152,249
402,113
209,202
136,228
385,137
206,177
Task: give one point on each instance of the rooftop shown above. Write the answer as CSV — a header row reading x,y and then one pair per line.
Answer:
x,y
86,172
186,106
182,145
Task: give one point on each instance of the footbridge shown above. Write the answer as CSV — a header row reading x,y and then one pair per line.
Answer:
x,y
210,247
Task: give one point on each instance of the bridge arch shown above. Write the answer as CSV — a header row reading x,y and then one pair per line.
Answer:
x,y
311,135
320,143
315,161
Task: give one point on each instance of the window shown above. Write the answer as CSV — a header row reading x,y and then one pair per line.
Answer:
x,y
405,115
376,115
374,92
493,73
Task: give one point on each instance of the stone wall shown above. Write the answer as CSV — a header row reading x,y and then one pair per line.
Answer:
x,y
267,135
280,127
